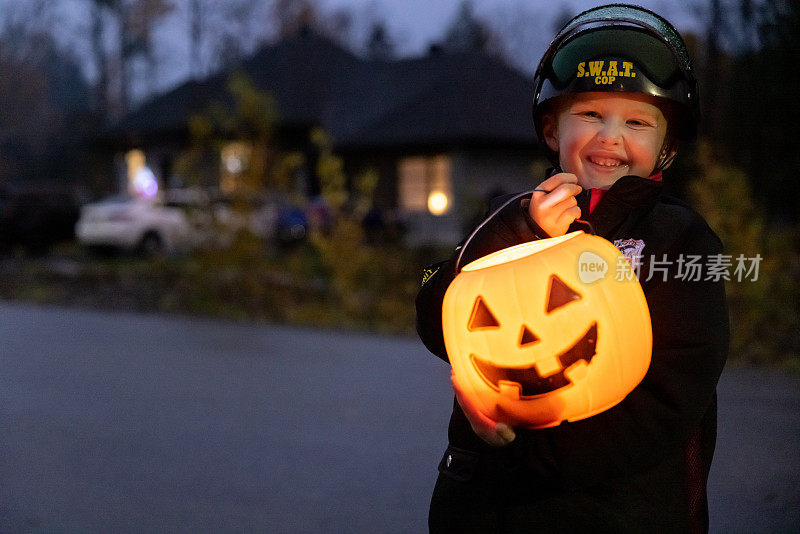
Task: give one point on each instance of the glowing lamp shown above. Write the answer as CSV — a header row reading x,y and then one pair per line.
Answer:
x,y
547,331
145,183
437,203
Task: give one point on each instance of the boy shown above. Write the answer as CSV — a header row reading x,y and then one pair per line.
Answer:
x,y
615,94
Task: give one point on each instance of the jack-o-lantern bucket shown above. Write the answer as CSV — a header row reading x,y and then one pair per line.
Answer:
x,y
547,331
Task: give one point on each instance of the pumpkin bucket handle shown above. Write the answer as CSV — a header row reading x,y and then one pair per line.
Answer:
x,y
588,226
515,198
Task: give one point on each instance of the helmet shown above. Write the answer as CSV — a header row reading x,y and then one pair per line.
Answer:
x,y
622,48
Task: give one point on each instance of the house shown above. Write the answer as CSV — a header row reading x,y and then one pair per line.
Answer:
x,y
444,131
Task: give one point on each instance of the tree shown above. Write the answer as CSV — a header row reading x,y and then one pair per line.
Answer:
x,y
565,14
379,45
467,34
133,22
231,45
519,33
758,114
44,100
249,118
196,12
99,53
293,16
765,300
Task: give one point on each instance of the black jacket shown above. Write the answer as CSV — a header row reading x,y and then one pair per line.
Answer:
x,y
640,466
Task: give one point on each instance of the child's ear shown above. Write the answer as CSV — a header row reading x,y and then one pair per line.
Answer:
x,y
669,159
667,156
550,132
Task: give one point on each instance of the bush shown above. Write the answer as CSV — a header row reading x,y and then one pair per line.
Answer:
x,y
764,312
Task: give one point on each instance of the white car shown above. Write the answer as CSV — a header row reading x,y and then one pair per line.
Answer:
x,y
253,214
147,226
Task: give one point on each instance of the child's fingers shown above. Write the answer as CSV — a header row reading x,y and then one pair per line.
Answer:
x,y
562,198
559,194
568,215
557,179
569,203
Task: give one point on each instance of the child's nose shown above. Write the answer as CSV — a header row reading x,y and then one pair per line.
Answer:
x,y
609,133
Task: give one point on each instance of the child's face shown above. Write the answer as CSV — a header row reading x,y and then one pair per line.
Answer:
x,y
601,137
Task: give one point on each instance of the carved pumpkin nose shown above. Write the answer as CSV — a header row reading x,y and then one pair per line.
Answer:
x,y
527,337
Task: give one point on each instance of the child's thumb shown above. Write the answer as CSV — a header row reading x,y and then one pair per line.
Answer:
x,y
505,432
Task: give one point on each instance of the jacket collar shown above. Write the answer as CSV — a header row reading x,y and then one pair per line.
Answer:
x,y
628,196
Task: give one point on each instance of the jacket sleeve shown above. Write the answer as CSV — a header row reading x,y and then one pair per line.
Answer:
x,y
690,343
509,224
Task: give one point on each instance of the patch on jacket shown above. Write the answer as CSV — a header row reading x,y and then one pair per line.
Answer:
x,y
631,249
428,273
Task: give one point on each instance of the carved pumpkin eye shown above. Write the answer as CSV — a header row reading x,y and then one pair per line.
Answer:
x,y
560,294
482,316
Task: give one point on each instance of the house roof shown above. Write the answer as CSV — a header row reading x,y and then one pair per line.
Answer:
x,y
441,98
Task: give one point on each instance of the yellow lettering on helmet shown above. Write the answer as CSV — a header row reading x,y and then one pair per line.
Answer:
x,y
612,68
581,69
604,80
627,65
596,68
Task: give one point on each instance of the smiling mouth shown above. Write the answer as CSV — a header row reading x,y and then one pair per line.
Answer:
x,y
528,380
610,163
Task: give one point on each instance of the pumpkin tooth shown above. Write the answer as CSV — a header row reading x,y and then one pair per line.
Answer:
x,y
548,366
584,349
526,381
510,390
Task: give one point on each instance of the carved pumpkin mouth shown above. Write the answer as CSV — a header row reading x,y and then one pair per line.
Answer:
x,y
527,380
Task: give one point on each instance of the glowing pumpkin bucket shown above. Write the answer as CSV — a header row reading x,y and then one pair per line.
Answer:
x,y
547,331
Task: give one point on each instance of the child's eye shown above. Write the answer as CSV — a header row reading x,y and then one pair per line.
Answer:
x,y
591,114
638,123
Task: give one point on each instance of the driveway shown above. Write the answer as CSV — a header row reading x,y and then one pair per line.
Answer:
x,y
143,423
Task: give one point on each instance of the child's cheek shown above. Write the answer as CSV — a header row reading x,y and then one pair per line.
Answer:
x,y
570,155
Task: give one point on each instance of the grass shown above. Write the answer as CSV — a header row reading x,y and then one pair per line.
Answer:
x,y
246,283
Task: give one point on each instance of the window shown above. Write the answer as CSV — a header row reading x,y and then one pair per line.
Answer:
x,y
425,184
234,163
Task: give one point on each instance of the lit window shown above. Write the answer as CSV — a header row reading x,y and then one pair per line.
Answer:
x,y
425,184
234,161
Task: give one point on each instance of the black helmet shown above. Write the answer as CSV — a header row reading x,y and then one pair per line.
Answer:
x,y
624,48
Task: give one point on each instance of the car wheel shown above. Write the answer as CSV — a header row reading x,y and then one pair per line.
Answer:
x,y
151,245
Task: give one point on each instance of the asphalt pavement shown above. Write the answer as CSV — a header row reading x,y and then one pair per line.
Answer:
x,y
145,423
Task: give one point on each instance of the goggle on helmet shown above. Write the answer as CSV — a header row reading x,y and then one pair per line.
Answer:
x,y
621,48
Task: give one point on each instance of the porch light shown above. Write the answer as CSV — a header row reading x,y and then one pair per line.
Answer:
x,y
438,203
234,163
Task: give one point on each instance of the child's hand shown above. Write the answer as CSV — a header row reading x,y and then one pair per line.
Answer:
x,y
494,433
553,205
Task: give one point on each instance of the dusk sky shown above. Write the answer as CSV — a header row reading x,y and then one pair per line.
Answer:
x,y
524,26
420,21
